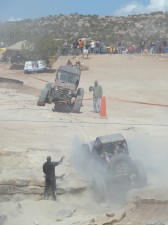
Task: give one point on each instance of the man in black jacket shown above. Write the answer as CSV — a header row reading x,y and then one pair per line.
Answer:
x,y
50,178
75,48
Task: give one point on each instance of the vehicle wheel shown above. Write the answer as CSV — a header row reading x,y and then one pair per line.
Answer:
x,y
44,95
77,104
81,92
122,171
78,101
121,165
141,178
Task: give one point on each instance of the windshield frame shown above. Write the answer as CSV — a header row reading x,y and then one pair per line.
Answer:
x,y
66,77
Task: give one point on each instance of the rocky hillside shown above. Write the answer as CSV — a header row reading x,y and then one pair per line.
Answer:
x,y
107,28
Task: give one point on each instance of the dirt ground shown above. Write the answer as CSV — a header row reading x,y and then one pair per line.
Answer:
x,y
30,133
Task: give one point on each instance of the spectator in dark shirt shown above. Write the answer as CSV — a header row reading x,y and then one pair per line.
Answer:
x,y
50,178
75,48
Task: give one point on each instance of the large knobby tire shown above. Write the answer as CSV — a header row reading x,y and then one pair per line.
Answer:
x,y
78,101
77,104
44,95
81,92
141,176
122,170
121,165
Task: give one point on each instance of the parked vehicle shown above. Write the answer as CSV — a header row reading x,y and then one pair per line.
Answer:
x,y
35,66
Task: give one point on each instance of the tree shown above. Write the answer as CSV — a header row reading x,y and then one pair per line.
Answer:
x,y
41,48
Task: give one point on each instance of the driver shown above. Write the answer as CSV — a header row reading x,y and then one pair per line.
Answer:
x,y
99,152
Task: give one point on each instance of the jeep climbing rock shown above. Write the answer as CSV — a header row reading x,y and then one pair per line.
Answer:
x,y
113,166
64,92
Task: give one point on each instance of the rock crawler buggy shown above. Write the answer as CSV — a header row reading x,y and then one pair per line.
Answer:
x,y
64,92
112,168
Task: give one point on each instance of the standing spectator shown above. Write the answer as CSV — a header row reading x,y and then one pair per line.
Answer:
x,y
86,50
158,45
101,47
65,48
97,47
75,48
97,94
165,43
119,47
92,46
142,46
81,44
50,178
152,47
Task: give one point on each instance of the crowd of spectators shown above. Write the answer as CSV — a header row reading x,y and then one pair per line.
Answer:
x,y
85,47
151,46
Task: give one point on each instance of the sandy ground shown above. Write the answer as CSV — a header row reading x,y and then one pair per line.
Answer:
x,y
29,133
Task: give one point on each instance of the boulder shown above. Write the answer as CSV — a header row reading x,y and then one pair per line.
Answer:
x,y
64,213
149,195
111,218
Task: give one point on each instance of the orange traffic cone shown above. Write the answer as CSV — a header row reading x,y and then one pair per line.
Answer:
x,y
103,113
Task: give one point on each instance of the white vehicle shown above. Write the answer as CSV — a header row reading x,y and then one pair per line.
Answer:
x,y
35,66
42,65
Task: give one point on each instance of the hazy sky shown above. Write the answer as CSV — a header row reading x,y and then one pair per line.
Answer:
x,y
23,9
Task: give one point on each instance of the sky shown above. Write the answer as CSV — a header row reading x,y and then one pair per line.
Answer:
x,y
13,10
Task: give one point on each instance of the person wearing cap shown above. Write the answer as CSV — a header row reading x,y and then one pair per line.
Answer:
x,y
50,178
97,94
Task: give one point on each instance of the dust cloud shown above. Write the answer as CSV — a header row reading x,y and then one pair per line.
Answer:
x,y
89,169
153,152
97,175
81,159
